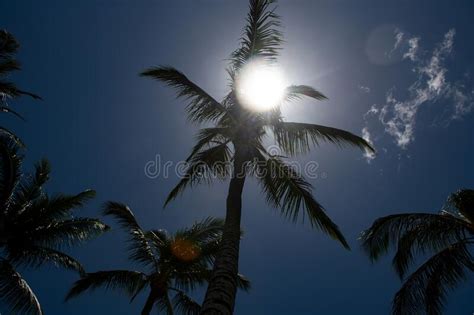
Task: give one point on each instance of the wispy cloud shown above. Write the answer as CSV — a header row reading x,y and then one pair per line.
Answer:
x,y
399,35
368,155
412,48
364,88
398,115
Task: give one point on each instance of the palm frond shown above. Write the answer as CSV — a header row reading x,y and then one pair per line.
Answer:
x,y
60,206
6,133
139,249
243,283
204,231
6,109
204,166
184,304
8,48
36,256
15,292
130,282
261,37
296,138
158,238
30,187
164,304
426,288
201,107
192,277
209,137
8,45
45,210
10,164
8,89
296,92
8,65
430,235
463,201
435,232
67,233
287,190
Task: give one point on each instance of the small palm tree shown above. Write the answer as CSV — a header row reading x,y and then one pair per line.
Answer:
x,y
8,48
236,137
34,227
174,264
448,235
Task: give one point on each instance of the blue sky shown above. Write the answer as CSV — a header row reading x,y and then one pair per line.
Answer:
x,y
401,71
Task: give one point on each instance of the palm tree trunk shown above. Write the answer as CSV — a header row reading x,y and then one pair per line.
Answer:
x,y
222,289
150,301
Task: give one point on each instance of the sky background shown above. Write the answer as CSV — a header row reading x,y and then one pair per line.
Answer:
x,y
401,71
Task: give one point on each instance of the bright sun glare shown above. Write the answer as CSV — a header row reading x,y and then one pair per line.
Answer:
x,y
260,86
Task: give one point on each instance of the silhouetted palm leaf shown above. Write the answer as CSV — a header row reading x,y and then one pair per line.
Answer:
x,y
447,236
36,256
204,231
262,37
202,107
15,292
426,288
10,162
139,248
184,304
296,92
130,282
34,227
8,48
181,262
68,233
463,202
6,109
204,166
295,138
287,190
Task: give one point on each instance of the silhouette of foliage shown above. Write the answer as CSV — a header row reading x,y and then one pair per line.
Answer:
x,y
35,227
235,134
8,49
173,264
448,236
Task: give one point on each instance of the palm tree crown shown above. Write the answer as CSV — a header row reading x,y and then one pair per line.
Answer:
x,y
236,136
174,264
239,130
448,236
34,227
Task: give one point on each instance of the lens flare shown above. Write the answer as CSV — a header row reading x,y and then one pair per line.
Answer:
x,y
260,86
185,250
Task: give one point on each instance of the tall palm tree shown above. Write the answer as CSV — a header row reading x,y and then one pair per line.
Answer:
x,y
35,227
237,136
174,264
448,235
8,48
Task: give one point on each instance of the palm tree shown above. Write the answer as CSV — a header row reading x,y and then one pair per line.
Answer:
x,y
35,227
448,236
175,264
236,137
8,48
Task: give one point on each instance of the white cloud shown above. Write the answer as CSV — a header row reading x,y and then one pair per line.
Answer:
x,y
364,88
369,156
413,48
398,115
398,41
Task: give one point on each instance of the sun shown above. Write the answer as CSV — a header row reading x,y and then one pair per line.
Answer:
x,y
260,86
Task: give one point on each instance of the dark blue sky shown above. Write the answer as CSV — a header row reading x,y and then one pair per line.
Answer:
x,y
100,123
